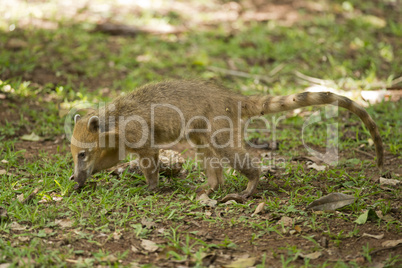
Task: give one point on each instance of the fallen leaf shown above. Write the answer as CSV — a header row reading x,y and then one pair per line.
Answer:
x,y
64,223
17,227
3,171
5,265
109,258
3,214
331,202
298,228
236,197
307,158
387,218
149,245
20,198
286,221
161,230
31,137
242,263
205,200
391,243
117,235
208,260
148,223
4,161
380,236
208,214
259,208
393,182
311,256
316,167
57,198
366,216
23,238
134,249
48,231
230,202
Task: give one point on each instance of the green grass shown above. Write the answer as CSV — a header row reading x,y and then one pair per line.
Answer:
x,y
345,45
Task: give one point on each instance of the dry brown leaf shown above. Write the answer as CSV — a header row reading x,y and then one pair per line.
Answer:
x,y
17,227
242,263
331,202
259,208
4,161
109,258
31,137
286,221
3,214
205,200
3,171
380,236
311,256
23,238
316,167
391,243
230,202
298,228
64,223
393,182
148,223
149,245
134,249
20,198
117,235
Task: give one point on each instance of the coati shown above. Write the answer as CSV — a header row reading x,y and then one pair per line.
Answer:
x,y
206,115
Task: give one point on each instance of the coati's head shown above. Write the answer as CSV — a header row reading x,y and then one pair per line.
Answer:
x,y
90,148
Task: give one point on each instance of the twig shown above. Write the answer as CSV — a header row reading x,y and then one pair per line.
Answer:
x,y
241,74
312,79
276,70
387,248
396,81
363,152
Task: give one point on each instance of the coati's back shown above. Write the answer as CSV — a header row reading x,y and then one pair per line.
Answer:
x,y
192,98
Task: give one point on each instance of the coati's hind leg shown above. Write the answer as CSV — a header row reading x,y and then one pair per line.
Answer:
x,y
213,168
240,160
150,167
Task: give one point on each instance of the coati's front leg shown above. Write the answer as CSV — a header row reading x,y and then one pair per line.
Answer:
x,y
150,167
213,169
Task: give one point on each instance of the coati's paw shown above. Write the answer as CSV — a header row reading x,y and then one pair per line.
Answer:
x,y
247,194
152,188
205,189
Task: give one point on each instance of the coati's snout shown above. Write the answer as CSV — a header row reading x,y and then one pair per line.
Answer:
x,y
83,149
89,157
83,168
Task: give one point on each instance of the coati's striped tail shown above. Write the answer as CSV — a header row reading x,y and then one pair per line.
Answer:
x,y
260,105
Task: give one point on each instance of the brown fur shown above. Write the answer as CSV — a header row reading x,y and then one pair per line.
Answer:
x,y
193,99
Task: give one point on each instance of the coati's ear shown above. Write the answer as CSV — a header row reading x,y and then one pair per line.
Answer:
x,y
93,124
76,118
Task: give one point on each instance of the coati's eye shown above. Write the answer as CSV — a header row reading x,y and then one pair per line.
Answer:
x,y
81,155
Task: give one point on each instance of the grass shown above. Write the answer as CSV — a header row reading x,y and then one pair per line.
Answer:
x,y
346,45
